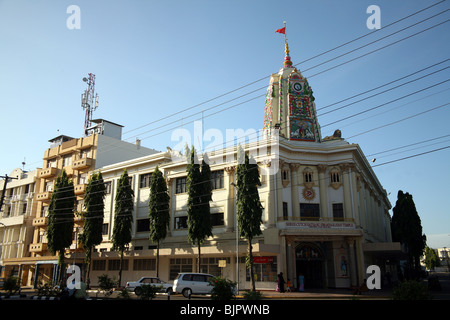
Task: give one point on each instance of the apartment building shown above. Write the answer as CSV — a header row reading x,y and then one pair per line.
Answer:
x,y
78,157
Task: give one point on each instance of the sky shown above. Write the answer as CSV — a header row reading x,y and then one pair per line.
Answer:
x,y
161,65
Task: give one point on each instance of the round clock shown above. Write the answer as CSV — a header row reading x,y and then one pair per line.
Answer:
x,y
297,86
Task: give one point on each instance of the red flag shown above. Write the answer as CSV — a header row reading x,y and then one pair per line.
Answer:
x,y
282,30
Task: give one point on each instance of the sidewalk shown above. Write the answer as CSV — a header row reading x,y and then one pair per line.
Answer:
x,y
325,294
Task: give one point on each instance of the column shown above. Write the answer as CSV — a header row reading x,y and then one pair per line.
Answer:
x,y
270,207
352,262
279,191
323,191
294,191
347,195
170,187
354,194
229,206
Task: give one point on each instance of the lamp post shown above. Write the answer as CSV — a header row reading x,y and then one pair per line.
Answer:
x,y
236,227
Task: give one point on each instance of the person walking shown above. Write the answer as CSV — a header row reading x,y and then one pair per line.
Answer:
x,y
281,282
301,282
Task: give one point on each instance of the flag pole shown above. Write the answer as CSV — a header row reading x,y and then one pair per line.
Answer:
x,y
285,39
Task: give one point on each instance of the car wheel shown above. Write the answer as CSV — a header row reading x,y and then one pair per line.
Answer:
x,y
187,292
138,291
169,291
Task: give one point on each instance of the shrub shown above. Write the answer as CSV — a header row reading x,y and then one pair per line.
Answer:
x,y
148,292
11,285
252,295
411,290
223,289
106,284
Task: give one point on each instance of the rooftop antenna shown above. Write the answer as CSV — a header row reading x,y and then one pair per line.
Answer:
x,y
87,102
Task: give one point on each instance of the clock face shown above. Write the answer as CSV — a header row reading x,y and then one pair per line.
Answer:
x,y
297,86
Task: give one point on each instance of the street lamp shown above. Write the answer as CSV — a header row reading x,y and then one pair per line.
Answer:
x,y
236,227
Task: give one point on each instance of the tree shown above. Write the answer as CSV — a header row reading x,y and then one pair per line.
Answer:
x,y
123,218
198,187
249,209
431,258
158,207
93,217
61,217
407,228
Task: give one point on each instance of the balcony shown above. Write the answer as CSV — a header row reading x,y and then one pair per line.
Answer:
x,y
47,173
82,163
38,247
80,189
40,222
44,196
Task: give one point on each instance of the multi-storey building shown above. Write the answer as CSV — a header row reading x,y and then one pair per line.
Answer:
x,y
325,212
15,219
78,157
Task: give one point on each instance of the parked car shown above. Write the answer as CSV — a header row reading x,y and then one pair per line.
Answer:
x,y
192,283
136,285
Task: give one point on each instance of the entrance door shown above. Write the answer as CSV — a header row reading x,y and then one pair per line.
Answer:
x,y
309,262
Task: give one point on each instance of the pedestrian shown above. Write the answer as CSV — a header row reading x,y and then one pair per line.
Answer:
x,y
301,282
281,282
289,286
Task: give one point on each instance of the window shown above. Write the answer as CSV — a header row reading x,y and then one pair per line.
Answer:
x,y
217,219
98,265
108,187
285,210
84,154
265,269
181,185
145,180
51,163
67,161
308,176
338,212
217,179
309,211
83,178
144,264
24,208
335,177
181,222
114,265
179,265
105,227
211,265
143,225
49,186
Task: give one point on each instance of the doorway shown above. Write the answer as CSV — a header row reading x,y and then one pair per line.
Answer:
x,y
309,262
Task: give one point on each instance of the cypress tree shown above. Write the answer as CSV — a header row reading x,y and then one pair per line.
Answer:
x,y
93,216
61,217
123,218
249,209
199,195
159,214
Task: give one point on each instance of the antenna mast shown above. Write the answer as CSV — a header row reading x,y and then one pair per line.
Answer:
x,y
87,102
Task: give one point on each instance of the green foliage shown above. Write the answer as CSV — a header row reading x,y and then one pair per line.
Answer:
x,y
61,216
253,295
249,208
431,258
106,284
48,289
123,209
223,289
124,294
123,218
198,187
158,207
407,227
411,290
94,212
148,292
11,285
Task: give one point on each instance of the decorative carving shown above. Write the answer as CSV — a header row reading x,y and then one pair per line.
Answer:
x,y
308,193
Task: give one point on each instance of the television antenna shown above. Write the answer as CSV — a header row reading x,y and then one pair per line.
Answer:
x,y
89,102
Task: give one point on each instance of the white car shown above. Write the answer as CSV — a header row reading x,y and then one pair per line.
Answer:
x,y
136,285
192,283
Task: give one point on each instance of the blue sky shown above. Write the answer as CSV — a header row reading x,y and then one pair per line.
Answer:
x,y
156,58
